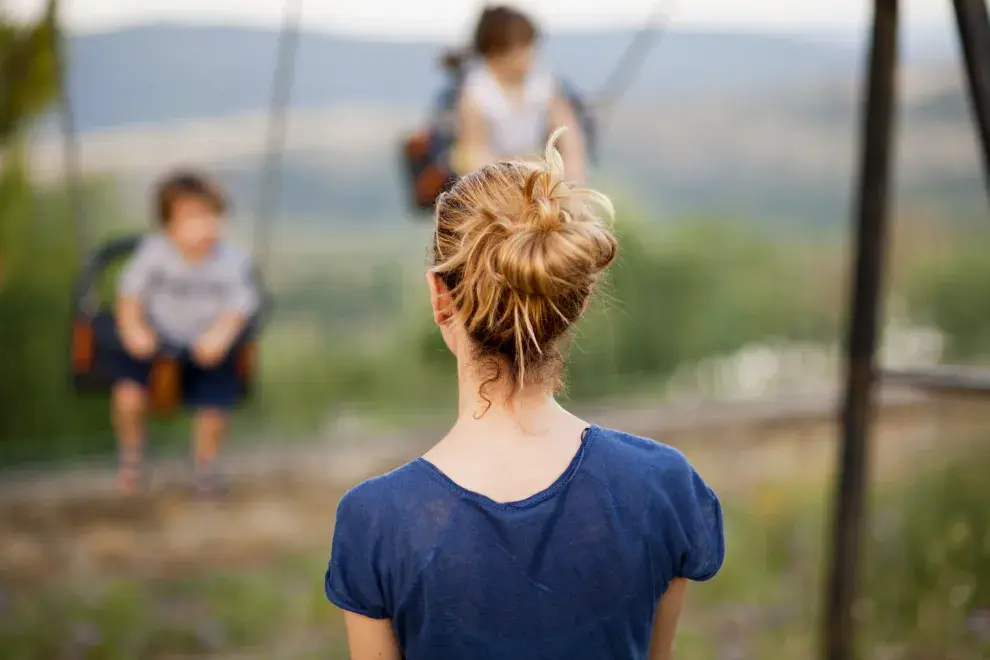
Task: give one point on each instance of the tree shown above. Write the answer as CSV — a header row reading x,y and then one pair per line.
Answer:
x,y
38,414
29,72
29,81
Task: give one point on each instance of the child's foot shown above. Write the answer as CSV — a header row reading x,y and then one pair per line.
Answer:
x,y
130,475
209,483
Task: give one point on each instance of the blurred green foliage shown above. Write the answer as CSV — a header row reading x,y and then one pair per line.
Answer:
x,y
352,328
954,294
355,332
29,71
929,558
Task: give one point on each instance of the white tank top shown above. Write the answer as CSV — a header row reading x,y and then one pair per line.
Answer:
x,y
516,129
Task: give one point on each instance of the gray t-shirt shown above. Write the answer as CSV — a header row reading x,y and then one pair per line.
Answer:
x,y
182,300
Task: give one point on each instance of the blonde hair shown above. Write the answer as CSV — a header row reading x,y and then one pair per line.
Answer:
x,y
520,250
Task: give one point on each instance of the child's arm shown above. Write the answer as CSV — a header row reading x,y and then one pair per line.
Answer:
x,y
135,334
215,343
471,150
572,147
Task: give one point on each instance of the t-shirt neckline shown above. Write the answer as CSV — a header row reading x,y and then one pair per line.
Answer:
x,y
536,498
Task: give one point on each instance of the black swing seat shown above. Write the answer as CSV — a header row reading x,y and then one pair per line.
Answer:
x,y
96,346
425,155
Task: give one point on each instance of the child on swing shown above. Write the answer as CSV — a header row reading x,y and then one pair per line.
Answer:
x,y
510,103
187,288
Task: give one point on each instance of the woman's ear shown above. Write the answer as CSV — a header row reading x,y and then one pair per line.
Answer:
x,y
439,298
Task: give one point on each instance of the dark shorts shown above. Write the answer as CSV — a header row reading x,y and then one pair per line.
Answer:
x,y
202,388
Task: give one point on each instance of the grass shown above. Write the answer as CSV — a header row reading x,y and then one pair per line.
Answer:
x,y
277,612
926,575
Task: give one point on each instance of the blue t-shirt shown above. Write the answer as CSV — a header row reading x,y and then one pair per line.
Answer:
x,y
573,572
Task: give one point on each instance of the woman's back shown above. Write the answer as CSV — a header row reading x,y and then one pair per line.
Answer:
x,y
525,532
573,571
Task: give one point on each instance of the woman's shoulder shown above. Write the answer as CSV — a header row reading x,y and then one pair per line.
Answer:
x,y
639,454
683,513
634,467
381,495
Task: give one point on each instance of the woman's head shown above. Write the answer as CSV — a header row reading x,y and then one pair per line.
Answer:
x,y
505,38
516,255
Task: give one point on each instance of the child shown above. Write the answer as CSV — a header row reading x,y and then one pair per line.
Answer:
x,y
187,288
526,533
510,104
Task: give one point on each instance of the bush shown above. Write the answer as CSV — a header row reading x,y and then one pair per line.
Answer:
x,y
355,331
929,561
954,295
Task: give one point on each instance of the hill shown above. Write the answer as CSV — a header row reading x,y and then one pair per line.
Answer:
x,y
747,125
163,73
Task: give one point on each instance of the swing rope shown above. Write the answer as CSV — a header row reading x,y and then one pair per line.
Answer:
x,y
282,82
275,143
632,59
71,152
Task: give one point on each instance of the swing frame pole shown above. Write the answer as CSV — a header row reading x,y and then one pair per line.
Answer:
x,y
973,26
872,210
973,23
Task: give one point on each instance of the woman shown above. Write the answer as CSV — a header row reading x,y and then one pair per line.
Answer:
x,y
526,532
509,103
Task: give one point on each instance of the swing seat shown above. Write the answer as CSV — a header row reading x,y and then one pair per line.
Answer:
x,y
96,347
426,169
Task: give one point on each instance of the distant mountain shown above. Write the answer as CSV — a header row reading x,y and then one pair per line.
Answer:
x,y
742,125
163,73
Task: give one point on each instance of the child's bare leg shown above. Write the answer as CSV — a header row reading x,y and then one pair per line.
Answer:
x,y
209,430
127,407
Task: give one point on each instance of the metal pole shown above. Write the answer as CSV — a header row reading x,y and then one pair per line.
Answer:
x,y
282,80
974,37
872,210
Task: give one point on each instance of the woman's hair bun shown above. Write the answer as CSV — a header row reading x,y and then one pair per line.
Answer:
x,y
558,244
520,249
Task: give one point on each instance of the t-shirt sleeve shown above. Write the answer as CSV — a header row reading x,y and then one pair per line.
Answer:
x,y
691,522
354,579
244,295
704,534
136,273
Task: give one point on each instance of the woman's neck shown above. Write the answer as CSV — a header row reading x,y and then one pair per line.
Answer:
x,y
494,404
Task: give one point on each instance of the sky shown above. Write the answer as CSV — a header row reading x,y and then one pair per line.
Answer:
x,y
449,19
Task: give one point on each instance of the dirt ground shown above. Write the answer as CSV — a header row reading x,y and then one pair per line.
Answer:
x,y
282,498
